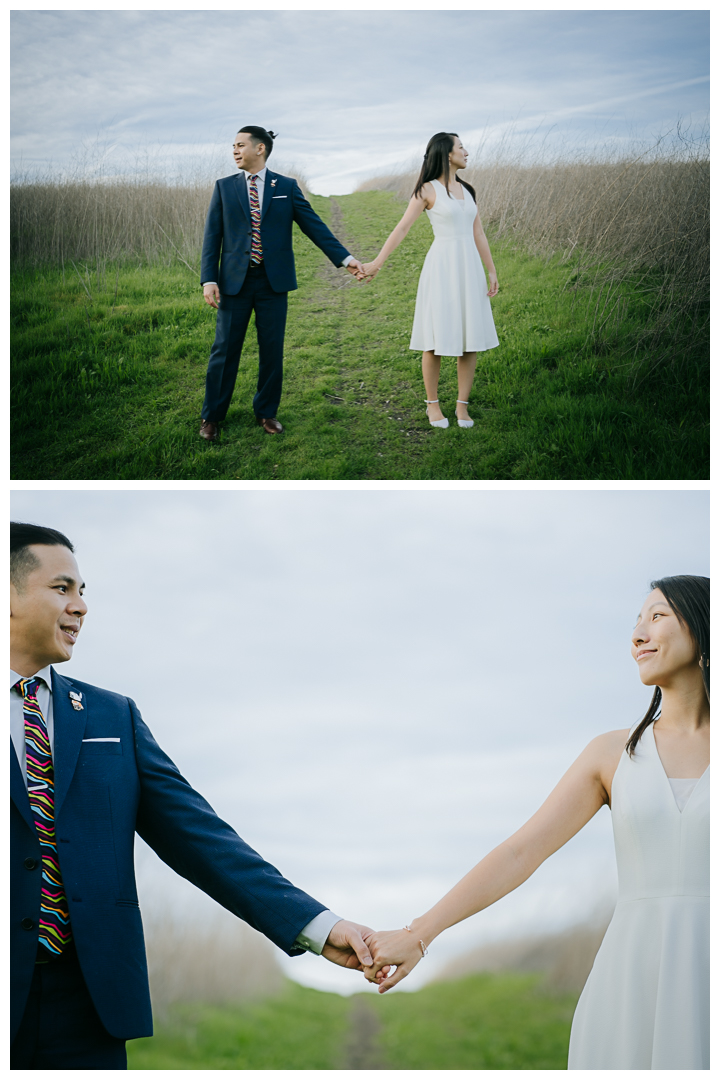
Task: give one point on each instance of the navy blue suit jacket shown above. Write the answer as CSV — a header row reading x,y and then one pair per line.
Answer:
x,y
104,793
228,230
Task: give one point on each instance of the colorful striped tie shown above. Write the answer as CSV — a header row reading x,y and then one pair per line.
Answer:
x,y
55,932
256,251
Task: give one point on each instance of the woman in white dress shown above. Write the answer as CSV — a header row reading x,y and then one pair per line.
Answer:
x,y
646,1003
453,316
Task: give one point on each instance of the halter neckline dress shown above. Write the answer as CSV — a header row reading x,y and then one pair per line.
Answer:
x,y
453,314
646,1003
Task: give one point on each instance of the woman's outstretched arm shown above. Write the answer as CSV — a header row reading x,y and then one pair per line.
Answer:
x,y
415,207
576,798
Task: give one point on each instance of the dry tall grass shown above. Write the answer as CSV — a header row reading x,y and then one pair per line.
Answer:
x,y
643,212
73,219
565,959
217,962
635,223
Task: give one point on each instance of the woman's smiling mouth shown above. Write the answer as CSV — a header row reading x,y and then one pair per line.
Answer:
x,y
643,653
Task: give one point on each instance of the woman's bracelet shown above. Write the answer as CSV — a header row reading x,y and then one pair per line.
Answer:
x,y
423,946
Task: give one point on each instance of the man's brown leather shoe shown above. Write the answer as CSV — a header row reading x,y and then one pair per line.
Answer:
x,y
271,425
209,430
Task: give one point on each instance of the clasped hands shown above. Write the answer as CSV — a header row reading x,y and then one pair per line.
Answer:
x,y
375,952
362,271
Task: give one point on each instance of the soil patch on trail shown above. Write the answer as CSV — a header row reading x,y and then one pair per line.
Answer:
x,y
361,1049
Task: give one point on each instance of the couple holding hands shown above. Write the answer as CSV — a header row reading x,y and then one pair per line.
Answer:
x,y
86,774
248,265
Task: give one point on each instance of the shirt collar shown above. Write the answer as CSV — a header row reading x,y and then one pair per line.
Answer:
x,y
260,175
44,673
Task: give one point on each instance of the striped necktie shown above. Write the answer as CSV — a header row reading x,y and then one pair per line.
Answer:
x,y
256,251
55,931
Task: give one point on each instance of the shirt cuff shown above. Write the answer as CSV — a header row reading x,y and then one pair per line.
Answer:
x,y
347,259
313,936
208,283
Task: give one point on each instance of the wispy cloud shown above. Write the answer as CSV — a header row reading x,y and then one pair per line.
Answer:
x,y
349,92
613,102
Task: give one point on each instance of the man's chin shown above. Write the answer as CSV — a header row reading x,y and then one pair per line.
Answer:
x,y
63,654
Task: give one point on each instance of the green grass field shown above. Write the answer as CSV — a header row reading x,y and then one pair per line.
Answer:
x,y
479,1022
109,366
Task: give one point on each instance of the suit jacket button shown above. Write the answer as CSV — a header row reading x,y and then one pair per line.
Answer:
x,y
30,864
27,924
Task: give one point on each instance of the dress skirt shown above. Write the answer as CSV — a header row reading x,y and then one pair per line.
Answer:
x,y
453,314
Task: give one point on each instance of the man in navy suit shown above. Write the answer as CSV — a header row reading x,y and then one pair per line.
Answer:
x,y
249,233
85,776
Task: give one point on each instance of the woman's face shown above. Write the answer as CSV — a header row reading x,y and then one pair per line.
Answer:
x,y
458,155
661,645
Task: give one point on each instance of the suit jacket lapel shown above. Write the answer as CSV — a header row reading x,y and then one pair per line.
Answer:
x,y
18,791
69,727
241,188
267,194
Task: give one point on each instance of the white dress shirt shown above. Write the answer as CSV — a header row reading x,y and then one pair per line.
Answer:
x,y
260,178
17,717
261,191
312,937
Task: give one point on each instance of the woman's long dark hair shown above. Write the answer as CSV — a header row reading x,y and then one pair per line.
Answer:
x,y
436,163
689,597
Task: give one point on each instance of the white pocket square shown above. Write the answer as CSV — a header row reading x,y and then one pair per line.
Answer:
x,y
101,740
279,196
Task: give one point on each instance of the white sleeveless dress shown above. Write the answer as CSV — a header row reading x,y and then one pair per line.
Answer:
x,y
646,1003
452,311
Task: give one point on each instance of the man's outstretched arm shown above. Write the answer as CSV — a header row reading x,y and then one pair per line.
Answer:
x,y
184,830
315,228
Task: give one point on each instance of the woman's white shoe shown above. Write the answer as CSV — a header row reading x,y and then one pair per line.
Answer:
x,y
437,423
463,423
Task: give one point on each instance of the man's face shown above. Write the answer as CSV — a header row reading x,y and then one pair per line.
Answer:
x,y
246,154
47,612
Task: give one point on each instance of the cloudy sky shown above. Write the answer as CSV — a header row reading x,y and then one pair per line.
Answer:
x,y
352,94
396,680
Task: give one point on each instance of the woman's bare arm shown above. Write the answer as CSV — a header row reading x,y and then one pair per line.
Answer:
x,y
483,247
415,207
575,799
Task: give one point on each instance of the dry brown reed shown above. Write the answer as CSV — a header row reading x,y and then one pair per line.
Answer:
x,y
638,222
216,961
564,959
110,219
646,208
